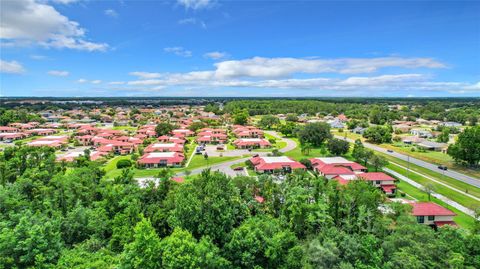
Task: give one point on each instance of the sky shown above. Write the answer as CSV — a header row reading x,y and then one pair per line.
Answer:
x,y
86,48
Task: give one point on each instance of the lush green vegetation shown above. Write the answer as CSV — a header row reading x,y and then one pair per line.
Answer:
x,y
54,217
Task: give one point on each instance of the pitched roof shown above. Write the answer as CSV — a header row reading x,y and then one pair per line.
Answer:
x,y
430,209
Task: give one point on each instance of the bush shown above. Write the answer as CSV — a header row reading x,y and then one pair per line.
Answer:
x,y
340,130
307,163
124,163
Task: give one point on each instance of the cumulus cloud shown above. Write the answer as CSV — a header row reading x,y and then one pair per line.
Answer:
x,y
82,80
196,4
111,13
215,55
284,67
96,81
116,83
58,73
179,51
11,67
26,22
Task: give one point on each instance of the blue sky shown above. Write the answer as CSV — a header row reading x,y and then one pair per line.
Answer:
x,y
239,48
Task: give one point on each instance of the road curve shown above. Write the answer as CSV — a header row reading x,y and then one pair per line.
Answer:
x,y
432,167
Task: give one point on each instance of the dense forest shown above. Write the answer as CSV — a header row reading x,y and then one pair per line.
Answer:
x,y
58,216
378,112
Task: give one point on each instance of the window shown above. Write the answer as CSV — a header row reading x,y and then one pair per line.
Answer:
x,y
431,218
421,219
377,182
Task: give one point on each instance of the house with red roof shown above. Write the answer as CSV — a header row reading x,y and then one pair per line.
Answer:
x,y
247,131
431,214
164,147
46,143
41,131
8,129
212,136
273,164
182,133
380,180
331,167
116,147
161,159
13,136
70,157
249,143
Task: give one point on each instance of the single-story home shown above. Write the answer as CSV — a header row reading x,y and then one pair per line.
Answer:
x,y
161,159
278,163
246,143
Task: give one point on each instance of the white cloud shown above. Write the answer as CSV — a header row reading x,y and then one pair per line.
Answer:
x,y
193,21
38,57
196,4
179,51
64,2
285,67
116,83
58,73
215,55
145,75
26,22
111,13
96,81
12,67
82,80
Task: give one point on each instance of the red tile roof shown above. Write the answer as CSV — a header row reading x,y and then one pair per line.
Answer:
x,y
430,209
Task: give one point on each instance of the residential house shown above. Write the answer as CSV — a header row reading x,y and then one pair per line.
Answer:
x,y
273,164
161,159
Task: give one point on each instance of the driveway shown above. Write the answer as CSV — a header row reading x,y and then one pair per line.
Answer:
x,y
433,167
290,143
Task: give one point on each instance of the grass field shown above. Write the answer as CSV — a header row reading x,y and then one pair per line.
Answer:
x,y
297,154
437,176
438,188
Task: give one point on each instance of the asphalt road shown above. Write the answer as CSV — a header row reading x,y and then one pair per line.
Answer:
x,y
433,167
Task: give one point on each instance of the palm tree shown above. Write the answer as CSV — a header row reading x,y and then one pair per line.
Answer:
x,y
305,148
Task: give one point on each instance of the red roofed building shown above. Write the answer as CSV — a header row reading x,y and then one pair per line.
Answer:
x,y
12,136
41,131
182,132
161,159
212,138
163,147
429,213
116,147
70,157
246,143
8,129
381,180
247,132
272,164
331,167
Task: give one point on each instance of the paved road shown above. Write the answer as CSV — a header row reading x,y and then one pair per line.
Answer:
x,y
434,194
433,167
225,166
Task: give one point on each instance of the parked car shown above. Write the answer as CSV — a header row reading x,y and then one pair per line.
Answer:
x,y
238,168
443,167
389,150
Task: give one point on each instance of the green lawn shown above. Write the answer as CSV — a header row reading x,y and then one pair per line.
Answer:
x,y
461,219
200,161
454,195
437,176
297,154
124,128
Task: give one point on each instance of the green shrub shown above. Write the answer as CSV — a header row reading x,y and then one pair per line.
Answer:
x,y
124,163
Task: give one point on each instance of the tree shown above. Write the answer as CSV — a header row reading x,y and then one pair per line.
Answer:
x,y
378,134
444,136
261,242
291,118
288,129
305,148
378,162
240,117
466,149
123,163
144,251
196,126
338,146
268,121
358,150
164,128
429,189
181,250
314,133
208,205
